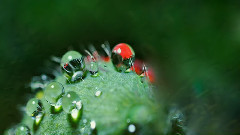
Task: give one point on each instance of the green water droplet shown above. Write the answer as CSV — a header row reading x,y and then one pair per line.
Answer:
x,y
22,130
93,68
53,92
34,108
73,66
69,56
98,93
71,101
88,127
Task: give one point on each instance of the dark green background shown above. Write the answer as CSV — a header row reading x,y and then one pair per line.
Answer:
x,y
193,45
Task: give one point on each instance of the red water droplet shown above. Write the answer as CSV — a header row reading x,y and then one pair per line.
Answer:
x,y
123,57
124,50
140,70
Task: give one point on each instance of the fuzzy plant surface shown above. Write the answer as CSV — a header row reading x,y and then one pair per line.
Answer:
x,y
112,102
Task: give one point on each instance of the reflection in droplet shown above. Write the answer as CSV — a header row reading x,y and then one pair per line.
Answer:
x,y
93,124
77,76
75,113
58,105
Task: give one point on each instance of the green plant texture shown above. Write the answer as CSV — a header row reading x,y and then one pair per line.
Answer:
x,y
112,103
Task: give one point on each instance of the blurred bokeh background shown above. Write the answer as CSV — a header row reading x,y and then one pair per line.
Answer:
x,y
193,45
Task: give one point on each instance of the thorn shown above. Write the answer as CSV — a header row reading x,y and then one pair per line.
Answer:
x,y
55,59
106,48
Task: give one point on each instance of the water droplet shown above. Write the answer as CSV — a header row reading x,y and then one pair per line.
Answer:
x,y
131,128
73,65
93,68
89,128
34,108
22,130
91,63
148,73
143,70
53,92
98,93
93,124
123,57
71,101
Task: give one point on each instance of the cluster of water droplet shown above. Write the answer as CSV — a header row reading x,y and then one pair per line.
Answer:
x,y
75,65
75,68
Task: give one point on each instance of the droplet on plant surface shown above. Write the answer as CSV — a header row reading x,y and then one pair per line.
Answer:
x,y
73,64
98,93
143,70
53,92
123,57
34,108
71,101
131,128
93,68
88,128
22,130
91,62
